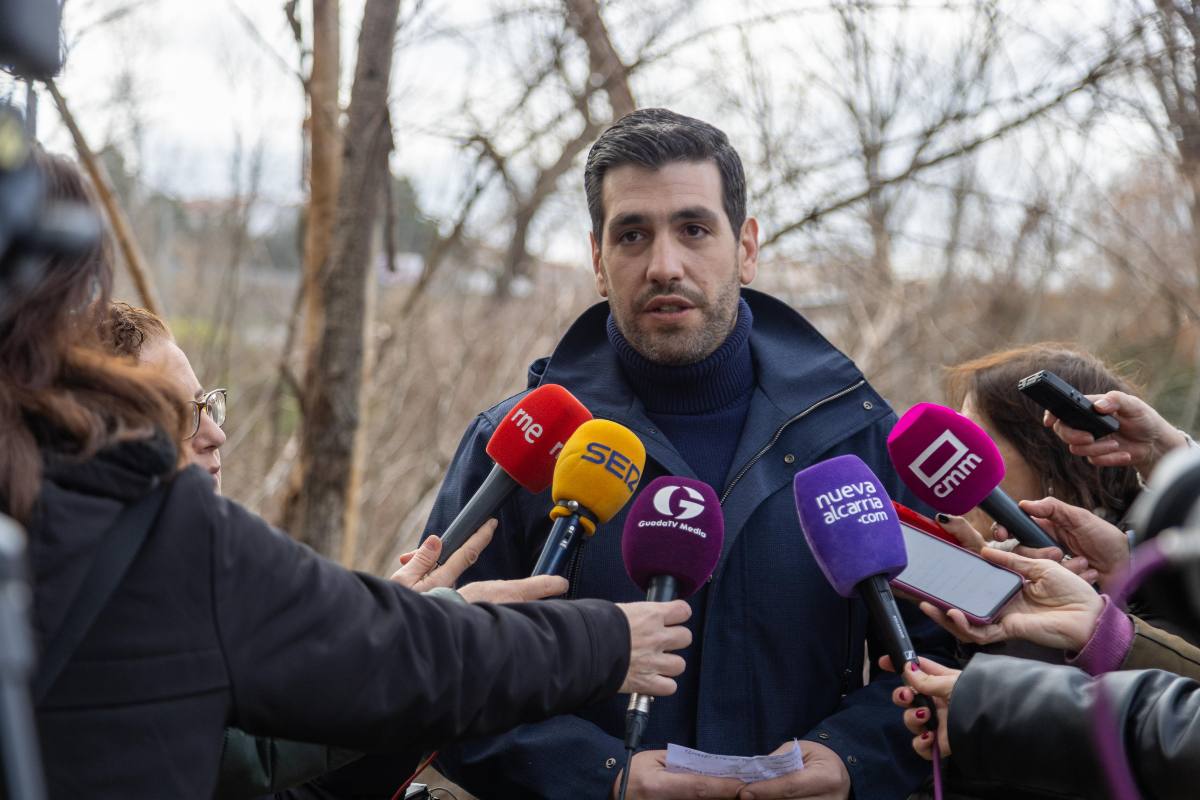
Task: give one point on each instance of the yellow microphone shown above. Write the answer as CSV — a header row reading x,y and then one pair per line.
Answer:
x,y
596,474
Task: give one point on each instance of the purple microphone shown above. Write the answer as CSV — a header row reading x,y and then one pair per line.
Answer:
x,y
671,544
672,537
852,529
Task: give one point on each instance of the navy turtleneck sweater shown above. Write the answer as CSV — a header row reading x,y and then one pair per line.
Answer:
x,y
699,407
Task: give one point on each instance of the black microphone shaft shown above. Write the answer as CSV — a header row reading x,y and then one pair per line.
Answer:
x,y
876,592
20,755
492,493
881,604
564,537
662,589
1002,508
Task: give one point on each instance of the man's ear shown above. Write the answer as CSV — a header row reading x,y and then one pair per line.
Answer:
x,y
597,266
748,251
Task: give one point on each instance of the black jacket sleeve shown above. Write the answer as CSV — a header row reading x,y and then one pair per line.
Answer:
x,y
318,653
1043,716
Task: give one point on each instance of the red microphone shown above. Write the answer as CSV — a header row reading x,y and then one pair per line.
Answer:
x,y
524,448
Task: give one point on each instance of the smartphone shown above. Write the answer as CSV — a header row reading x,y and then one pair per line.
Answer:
x,y
950,576
1067,403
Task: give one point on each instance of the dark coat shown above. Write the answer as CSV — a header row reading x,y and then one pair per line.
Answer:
x,y
1029,726
222,620
777,653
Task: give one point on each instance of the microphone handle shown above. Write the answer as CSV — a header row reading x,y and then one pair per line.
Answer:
x,y
564,537
876,592
662,589
1002,508
492,493
20,753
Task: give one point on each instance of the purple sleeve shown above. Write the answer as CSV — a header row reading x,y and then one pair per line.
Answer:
x,y
1110,642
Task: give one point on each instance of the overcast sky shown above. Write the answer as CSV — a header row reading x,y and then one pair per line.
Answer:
x,y
200,84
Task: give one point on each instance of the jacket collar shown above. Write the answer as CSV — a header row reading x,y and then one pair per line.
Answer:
x,y
795,366
123,471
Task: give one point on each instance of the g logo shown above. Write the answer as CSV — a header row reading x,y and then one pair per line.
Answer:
x,y
689,507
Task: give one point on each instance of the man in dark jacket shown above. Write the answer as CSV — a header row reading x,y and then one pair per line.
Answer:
x,y
732,387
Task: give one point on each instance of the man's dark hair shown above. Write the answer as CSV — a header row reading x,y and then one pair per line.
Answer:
x,y
653,137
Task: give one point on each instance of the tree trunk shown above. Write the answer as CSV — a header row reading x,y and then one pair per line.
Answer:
x,y
325,162
324,172
122,230
330,467
605,64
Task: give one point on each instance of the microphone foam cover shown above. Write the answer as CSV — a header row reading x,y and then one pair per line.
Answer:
x,y
675,528
944,458
849,522
599,468
528,440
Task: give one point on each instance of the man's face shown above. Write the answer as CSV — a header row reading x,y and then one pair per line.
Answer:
x,y
669,263
203,449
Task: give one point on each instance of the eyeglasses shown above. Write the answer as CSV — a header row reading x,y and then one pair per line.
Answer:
x,y
214,403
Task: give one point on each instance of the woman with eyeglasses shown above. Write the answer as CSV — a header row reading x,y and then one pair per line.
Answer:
x,y
214,618
139,334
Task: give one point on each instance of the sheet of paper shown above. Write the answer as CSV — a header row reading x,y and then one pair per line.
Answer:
x,y
746,769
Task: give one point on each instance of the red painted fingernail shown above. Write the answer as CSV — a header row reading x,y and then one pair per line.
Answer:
x,y
920,713
913,667
925,736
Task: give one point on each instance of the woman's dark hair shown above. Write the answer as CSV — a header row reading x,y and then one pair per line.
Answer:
x,y
60,387
991,383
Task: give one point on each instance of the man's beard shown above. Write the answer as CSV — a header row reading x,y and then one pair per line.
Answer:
x,y
681,347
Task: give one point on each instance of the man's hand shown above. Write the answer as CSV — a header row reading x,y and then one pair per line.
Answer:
x,y
649,780
1144,437
1104,545
937,683
516,591
420,572
824,776
655,629
1055,608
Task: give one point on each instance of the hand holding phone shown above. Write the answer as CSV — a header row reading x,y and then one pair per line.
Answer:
x,y
952,577
1067,403
1055,607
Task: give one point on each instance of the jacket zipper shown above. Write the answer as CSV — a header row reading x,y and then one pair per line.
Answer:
x,y
774,439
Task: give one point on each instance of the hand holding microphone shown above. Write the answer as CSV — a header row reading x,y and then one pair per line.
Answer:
x,y
421,572
655,630
930,680
670,545
854,534
524,447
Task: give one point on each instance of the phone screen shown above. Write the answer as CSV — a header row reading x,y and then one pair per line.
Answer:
x,y
956,577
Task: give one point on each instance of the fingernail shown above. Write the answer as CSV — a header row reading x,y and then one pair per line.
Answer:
x,y
942,518
921,713
914,667
925,736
